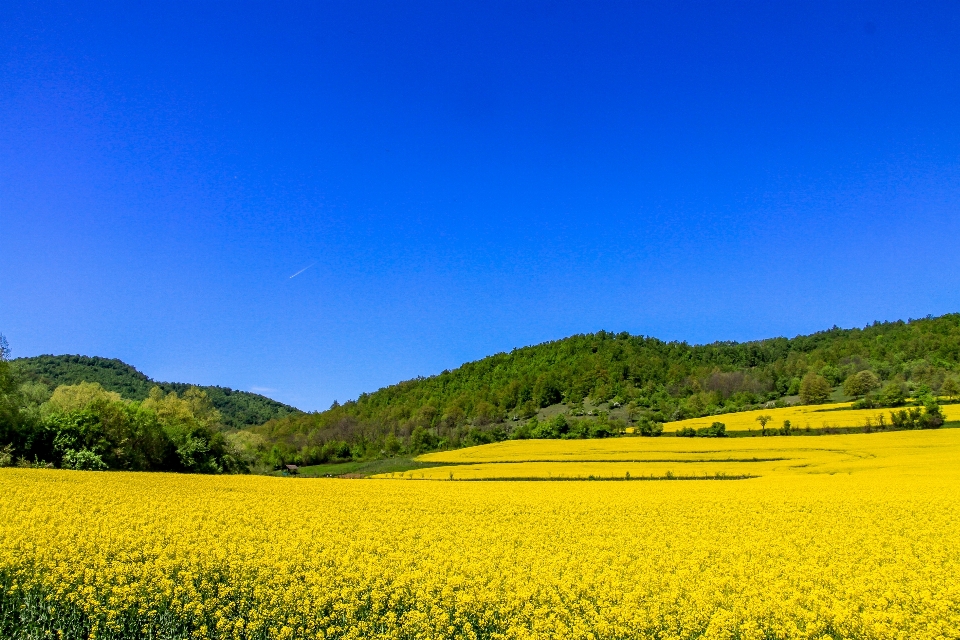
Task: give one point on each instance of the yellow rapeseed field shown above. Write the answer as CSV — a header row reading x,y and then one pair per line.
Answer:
x,y
664,457
863,543
801,417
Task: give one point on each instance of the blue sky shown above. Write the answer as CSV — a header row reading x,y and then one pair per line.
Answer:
x,y
465,178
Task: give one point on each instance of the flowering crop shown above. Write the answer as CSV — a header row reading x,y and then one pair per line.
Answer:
x,y
863,542
801,417
685,458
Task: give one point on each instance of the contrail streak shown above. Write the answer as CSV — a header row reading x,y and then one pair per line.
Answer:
x,y
302,270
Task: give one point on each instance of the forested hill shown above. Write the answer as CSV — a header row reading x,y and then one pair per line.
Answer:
x,y
644,376
238,409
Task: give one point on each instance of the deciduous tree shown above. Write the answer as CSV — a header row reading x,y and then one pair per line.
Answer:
x,y
814,389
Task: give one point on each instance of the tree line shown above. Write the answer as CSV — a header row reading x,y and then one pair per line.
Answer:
x,y
86,427
238,409
644,380
585,386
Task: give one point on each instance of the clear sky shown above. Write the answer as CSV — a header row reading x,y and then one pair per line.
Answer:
x,y
461,179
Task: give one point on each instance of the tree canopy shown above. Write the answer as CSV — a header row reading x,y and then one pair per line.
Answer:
x,y
650,378
589,385
238,409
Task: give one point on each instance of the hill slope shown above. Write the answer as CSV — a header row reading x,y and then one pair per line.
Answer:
x,y
593,373
239,409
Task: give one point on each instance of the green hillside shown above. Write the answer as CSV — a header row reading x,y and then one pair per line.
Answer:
x,y
238,409
584,386
601,382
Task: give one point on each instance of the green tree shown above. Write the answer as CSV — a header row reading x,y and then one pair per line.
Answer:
x,y
392,445
893,394
950,388
715,430
932,415
649,428
814,389
9,397
861,383
763,420
832,374
16,424
422,440
192,424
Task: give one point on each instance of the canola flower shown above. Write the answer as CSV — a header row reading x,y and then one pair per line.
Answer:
x,y
691,458
804,417
864,545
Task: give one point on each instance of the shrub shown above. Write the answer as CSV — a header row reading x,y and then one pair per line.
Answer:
x,y
905,418
83,460
893,394
649,428
525,430
601,430
6,456
932,415
715,430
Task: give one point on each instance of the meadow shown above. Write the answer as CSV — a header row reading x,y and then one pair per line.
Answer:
x,y
839,536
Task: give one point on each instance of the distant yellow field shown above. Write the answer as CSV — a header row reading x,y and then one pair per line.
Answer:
x,y
587,470
696,457
800,417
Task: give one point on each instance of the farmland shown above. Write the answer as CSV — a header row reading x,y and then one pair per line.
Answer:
x,y
669,457
844,536
802,417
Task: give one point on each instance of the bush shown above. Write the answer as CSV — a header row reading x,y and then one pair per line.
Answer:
x,y
932,415
525,430
686,432
649,428
83,460
906,418
477,436
928,417
601,430
556,428
893,394
715,430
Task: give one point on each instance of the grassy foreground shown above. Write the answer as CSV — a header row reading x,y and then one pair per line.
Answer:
x,y
863,545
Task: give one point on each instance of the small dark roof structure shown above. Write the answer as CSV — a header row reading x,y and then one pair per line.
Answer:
x,y
292,468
